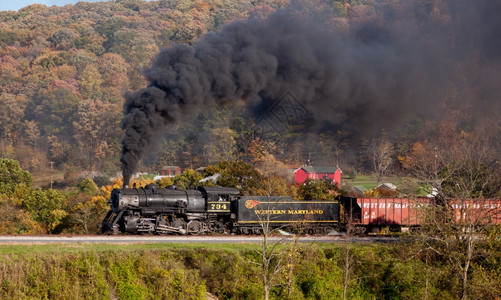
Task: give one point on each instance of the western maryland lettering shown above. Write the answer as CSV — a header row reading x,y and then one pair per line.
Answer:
x,y
288,211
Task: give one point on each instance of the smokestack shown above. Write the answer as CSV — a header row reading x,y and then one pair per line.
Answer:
x,y
373,76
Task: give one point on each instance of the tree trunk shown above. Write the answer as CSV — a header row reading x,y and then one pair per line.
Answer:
x,y
347,256
266,293
469,254
265,262
346,271
427,283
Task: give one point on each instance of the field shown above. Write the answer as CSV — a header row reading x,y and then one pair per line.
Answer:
x,y
404,184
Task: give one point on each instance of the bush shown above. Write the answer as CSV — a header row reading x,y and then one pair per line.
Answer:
x,y
87,186
378,272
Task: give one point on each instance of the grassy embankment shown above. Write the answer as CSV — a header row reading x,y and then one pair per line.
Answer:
x,y
170,271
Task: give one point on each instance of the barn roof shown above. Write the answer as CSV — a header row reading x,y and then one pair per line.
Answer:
x,y
320,170
164,168
387,185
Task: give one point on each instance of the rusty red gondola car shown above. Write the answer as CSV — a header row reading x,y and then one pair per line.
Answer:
x,y
401,214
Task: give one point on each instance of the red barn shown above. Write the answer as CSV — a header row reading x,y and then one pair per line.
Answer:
x,y
332,173
170,171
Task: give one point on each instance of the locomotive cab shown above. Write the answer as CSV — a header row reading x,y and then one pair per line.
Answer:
x,y
219,199
216,193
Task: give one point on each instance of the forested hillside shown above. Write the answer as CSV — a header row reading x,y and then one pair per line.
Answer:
x,y
64,72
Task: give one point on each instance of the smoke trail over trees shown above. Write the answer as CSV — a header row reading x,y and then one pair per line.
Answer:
x,y
372,75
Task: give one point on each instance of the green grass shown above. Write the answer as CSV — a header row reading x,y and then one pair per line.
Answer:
x,y
147,176
21,249
369,182
365,178
89,247
366,185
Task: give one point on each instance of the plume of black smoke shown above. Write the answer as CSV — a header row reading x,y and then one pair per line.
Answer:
x,y
370,77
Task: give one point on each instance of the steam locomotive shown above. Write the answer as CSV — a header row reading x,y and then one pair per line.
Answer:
x,y
211,210
154,210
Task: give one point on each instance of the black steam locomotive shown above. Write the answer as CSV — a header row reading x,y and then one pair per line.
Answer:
x,y
212,210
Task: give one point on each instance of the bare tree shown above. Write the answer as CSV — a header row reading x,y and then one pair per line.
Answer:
x,y
348,254
271,260
292,257
466,180
277,260
464,170
380,154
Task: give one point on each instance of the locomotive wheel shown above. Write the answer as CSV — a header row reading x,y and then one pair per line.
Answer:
x,y
358,230
194,227
179,224
218,227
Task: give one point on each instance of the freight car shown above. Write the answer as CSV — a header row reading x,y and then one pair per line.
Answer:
x,y
211,210
401,214
372,214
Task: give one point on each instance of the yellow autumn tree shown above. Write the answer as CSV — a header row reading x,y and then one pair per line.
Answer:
x,y
89,213
90,83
